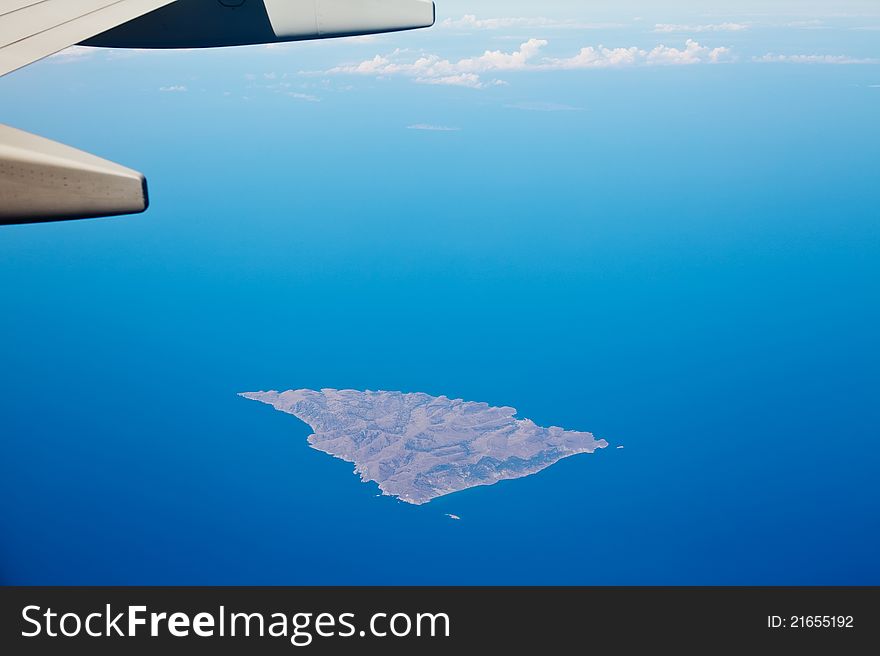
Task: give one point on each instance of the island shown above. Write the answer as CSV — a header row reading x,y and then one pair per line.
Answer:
x,y
418,447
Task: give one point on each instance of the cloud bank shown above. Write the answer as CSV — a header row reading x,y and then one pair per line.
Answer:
x,y
469,72
471,22
671,28
432,128
773,58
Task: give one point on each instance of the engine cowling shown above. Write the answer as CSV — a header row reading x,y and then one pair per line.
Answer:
x,y
213,23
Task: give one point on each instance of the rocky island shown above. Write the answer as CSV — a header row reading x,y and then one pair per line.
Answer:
x,y
418,447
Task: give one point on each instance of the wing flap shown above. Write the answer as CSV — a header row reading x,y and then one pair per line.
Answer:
x,y
33,30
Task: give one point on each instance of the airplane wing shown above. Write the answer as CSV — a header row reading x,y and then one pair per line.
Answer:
x,y
33,29
41,180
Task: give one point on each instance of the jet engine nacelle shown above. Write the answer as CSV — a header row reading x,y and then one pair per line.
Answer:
x,y
210,23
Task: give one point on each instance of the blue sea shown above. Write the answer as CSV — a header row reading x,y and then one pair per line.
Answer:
x,y
687,264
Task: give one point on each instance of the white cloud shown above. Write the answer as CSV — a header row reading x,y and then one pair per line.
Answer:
x,y
307,97
601,57
174,88
773,58
432,128
72,54
283,45
471,22
432,69
670,28
469,80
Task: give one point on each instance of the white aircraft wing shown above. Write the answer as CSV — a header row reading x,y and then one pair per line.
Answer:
x,y
33,29
41,180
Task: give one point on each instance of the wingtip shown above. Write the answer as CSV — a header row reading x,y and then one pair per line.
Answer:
x,y
146,192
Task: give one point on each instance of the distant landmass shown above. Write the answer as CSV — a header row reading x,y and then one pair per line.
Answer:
x,y
419,447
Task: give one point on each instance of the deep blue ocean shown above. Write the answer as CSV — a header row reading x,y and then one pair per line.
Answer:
x,y
689,267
